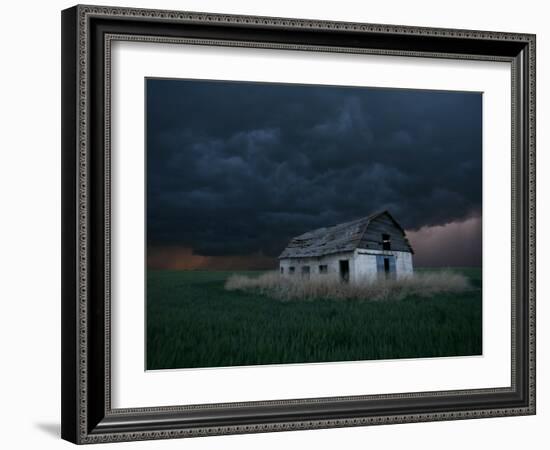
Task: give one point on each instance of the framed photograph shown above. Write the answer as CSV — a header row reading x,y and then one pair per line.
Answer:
x,y
277,224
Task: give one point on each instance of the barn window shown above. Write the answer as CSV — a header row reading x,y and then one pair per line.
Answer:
x,y
282,270
291,269
323,268
386,242
305,271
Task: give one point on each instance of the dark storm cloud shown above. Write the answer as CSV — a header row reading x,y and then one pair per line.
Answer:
x,y
239,168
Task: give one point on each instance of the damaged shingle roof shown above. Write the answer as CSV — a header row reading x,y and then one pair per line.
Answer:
x,y
341,238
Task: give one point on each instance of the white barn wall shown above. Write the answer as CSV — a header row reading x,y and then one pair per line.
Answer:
x,y
365,263
362,264
404,264
331,261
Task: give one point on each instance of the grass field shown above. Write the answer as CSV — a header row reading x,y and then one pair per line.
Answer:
x,y
192,321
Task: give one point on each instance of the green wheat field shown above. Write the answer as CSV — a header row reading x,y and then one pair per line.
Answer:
x,y
192,321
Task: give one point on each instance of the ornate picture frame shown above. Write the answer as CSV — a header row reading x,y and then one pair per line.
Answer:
x,y
87,36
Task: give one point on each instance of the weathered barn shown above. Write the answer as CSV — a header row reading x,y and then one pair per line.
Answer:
x,y
363,249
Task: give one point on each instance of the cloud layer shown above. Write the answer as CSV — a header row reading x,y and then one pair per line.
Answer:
x,y
239,168
452,244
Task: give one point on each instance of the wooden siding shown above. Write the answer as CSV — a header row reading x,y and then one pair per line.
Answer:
x,y
384,224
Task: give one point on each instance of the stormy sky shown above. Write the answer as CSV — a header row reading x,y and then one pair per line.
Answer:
x,y
235,169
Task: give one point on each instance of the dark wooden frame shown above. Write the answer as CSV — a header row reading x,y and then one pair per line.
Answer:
x,y
87,415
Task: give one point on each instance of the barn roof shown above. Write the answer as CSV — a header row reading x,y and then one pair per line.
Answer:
x,y
341,238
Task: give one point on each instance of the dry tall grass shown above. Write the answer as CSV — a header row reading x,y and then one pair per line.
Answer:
x,y
424,284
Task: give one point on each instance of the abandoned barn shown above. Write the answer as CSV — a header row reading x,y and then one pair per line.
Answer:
x,y
361,250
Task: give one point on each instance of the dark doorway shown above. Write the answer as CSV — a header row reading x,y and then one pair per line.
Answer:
x,y
385,266
344,270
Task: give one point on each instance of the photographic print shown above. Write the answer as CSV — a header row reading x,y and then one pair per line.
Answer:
x,y
292,223
277,224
